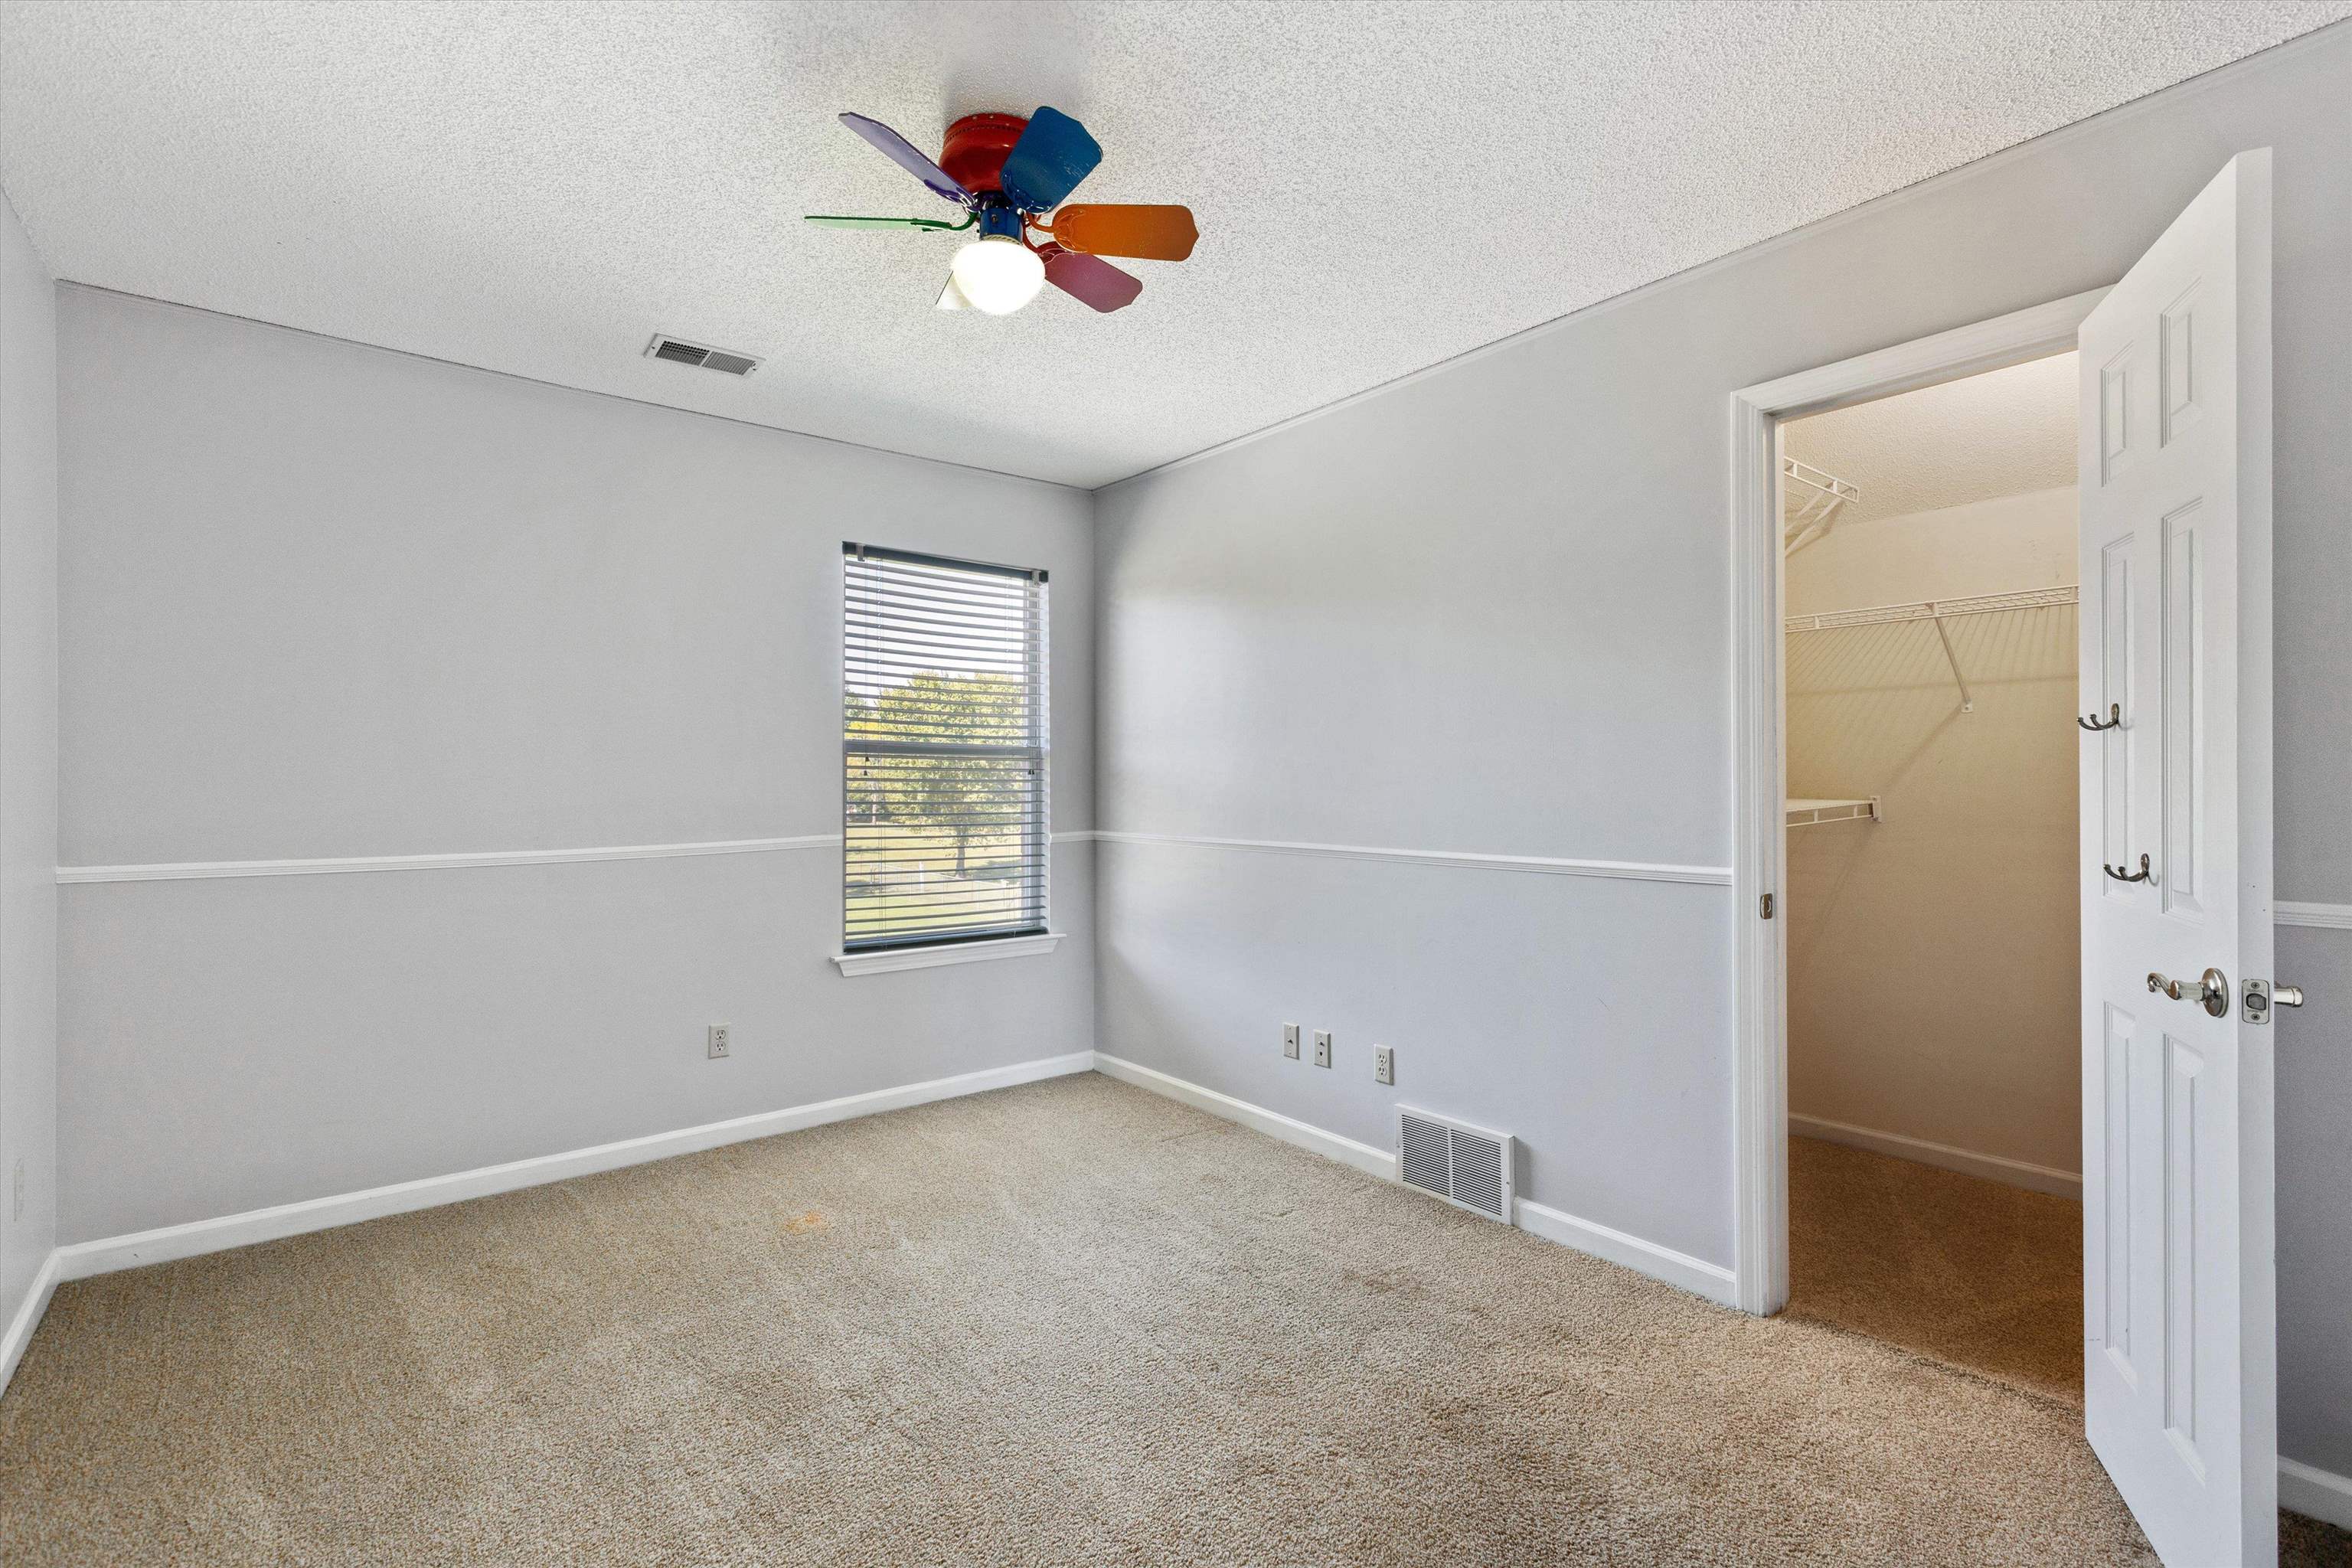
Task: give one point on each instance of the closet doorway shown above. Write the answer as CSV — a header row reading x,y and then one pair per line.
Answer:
x,y
2174,873
1931,879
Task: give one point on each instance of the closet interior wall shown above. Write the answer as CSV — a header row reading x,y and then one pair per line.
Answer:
x,y
1933,953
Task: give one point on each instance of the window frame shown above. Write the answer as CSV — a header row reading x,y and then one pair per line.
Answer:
x,y
1036,838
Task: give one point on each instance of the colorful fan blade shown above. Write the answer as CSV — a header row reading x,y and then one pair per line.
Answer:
x,y
1090,279
903,153
1046,164
1149,234
930,224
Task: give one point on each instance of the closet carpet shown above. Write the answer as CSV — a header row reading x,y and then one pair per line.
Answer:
x,y
1069,1324
1981,1275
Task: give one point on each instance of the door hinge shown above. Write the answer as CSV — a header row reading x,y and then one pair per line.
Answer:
x,y
1765,909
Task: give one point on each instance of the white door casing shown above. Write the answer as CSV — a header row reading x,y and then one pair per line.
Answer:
x,y
1760,1057
2179,1356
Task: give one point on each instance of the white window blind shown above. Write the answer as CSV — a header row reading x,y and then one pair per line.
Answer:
x,y
944,748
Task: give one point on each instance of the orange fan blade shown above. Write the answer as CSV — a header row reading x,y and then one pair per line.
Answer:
x,y
1149,234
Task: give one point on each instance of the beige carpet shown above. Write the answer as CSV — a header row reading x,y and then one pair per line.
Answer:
x,y
1984,1276
1066,1324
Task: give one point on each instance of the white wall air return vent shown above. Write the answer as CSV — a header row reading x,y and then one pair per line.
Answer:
x,y
1467,1166
677,350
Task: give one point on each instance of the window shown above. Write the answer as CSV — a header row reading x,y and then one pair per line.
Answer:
x,y
943,729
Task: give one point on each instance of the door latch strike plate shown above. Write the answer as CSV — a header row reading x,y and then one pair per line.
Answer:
x,y
1767,906
2258,1001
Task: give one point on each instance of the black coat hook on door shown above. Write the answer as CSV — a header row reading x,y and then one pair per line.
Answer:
x,y
2114,719
2117,872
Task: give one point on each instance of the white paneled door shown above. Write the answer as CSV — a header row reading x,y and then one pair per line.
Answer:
x,y
2179,1359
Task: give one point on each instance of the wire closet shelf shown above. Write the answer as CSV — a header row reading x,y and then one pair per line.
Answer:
x,y
1809,513
1809,813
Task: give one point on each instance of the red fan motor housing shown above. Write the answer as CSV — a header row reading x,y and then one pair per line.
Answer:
x,y
976,148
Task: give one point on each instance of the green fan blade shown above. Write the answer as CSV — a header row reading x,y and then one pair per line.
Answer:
x,y
920,223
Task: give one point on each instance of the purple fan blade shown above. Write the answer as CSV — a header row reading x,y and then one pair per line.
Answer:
x,y
903,153
1090,279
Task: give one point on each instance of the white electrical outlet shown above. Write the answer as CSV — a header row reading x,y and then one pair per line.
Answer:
x,y
721,1037
1322,1047
1383,1065
1290,1041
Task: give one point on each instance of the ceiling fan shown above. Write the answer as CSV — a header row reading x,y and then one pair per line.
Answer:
x,y
1008,173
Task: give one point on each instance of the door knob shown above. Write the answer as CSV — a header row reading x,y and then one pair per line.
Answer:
x,y
2211,992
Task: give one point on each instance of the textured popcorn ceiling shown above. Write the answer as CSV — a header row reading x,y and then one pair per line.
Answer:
x,y
2006,433
537,188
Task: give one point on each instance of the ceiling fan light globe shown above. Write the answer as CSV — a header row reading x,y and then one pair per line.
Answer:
x,y
998,274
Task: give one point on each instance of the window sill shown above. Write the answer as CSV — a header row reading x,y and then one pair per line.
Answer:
x,y
889,958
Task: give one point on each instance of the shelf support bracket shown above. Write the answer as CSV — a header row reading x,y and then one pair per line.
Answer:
x,y
1968,702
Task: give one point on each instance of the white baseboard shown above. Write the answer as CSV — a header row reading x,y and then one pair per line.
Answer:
x,y
1943,1156
84,1258
19,1334
2322,1494
1661,1263
1272,1123
1680,1269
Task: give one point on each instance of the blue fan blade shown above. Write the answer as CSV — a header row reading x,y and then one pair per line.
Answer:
x,y
1046,164
903,153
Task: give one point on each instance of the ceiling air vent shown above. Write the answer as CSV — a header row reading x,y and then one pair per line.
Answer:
x,y
677,350
1467,1166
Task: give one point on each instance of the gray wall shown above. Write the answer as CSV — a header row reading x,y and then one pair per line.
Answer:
x,y
322,600
1488,609
28,758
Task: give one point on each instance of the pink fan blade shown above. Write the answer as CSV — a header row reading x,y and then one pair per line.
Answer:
x,y
1090,279
904,153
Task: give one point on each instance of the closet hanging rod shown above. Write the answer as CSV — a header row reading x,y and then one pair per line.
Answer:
x,y
1933,609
